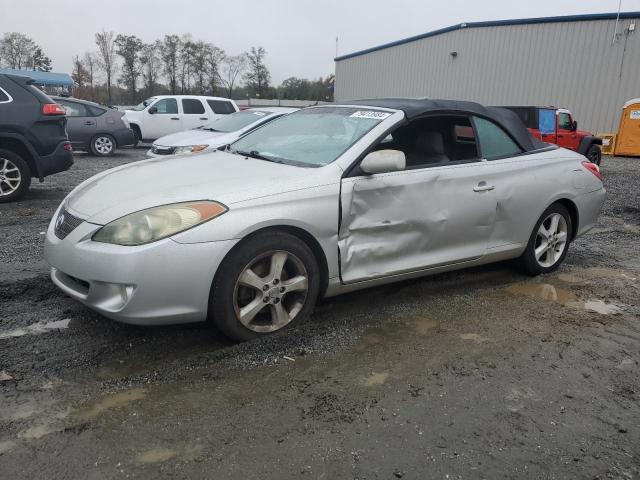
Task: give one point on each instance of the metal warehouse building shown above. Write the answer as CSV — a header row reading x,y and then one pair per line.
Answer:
x,y
587,63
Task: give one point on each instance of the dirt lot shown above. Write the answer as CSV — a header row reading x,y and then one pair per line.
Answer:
x,y
483,373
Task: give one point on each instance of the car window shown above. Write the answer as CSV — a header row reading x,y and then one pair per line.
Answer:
x,y
236,121
547,121
192,106
166,106
434,140
564,121
74,109
144,104
95,111
4,96
221,107
494,141
311,137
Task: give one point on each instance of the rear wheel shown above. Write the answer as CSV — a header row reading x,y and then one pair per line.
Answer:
x,y
103,145
15,176
594,154
267,284
549,241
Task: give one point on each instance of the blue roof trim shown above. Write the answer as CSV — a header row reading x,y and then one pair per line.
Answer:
x,y
494,23
42,78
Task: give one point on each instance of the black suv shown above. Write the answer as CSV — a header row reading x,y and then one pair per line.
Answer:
x,y
33,139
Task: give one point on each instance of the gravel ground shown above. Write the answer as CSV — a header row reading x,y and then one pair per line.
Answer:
x,y
482,373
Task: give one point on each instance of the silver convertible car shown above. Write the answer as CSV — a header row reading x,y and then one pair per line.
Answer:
x,y
323,201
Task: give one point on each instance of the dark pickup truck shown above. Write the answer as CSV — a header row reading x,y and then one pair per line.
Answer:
x,y
33,139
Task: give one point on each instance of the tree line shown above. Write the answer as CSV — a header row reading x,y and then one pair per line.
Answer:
x,y
124,70
17,51
132,70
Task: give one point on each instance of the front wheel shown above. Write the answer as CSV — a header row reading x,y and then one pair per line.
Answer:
x,y
266,284
103,145
594,154
15,176
549,241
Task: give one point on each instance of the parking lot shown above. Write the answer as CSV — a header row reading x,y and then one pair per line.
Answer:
x,y
483,373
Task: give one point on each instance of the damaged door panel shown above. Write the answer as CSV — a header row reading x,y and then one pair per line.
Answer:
x,y
400,222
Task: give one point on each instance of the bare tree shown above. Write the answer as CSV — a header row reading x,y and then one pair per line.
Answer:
x,y
213,63
17,49
107,56
89,63
151,64
187,56
257,76
232,68
129,48
79,73
171,60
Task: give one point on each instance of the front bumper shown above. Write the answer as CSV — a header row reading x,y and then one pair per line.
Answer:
x,y
59,161
161,283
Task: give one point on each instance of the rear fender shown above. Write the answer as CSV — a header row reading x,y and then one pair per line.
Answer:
x,y
586,143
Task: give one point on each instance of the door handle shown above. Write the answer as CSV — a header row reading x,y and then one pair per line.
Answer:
x,y
204,118
483,187
175,118
560,136
89,123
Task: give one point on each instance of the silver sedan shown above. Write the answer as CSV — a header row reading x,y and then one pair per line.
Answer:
x,y
323,201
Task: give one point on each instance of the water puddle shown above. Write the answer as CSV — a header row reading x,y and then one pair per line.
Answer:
x,y
7,446
594,273
36,329
474,337
425,325
548,292
155,455
115,400
376,379
602,307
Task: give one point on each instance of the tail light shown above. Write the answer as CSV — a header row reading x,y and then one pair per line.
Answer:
x,y
53,109
593,168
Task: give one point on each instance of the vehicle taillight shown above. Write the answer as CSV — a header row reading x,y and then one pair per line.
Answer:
x,y
67,147
593,168
53,109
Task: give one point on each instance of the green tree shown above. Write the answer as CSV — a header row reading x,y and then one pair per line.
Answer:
x,y
39,61
129,48
257,77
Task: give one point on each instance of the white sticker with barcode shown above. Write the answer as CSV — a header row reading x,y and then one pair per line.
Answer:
x,y
370,114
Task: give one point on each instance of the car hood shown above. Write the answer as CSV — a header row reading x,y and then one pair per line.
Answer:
x,y
220,176
189,137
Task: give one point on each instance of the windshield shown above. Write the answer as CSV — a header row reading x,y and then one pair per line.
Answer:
x,y
312,137
235,121
144,104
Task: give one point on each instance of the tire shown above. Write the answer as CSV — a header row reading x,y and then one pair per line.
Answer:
x,y
231,294
137,136
103,145
15,176
550,258
594,154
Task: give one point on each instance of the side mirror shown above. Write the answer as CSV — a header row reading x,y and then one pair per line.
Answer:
x,y
574,126
153,110
383,161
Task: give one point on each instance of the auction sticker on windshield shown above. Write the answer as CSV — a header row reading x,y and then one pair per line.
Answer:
x,y
370,114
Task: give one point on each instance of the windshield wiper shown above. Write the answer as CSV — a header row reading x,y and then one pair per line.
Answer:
x,y
256,154
208,129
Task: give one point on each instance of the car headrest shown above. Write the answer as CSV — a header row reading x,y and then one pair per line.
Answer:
x,y
430,143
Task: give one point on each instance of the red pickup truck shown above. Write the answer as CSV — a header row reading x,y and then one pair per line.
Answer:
x,y
556,125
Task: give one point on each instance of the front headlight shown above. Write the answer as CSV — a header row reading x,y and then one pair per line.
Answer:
x,y
190,149
157,223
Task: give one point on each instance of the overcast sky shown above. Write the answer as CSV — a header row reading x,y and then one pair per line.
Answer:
x,y
299,35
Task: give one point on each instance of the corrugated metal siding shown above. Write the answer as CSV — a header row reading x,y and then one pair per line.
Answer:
x,y
568,64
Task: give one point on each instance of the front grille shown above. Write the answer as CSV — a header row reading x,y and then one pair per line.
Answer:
x,y
163,150
65,224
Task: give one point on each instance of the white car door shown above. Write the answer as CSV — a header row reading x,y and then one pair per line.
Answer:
x,y
194,113
162,118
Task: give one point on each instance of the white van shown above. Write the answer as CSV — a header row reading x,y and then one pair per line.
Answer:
x,y
165,114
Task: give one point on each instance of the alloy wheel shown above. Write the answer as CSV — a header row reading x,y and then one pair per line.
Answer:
x,y
551,240
103,145
270,291
10,177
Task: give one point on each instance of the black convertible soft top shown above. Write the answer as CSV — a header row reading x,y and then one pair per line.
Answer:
x,y
414,107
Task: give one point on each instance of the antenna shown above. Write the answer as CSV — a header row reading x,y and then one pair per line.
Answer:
x,y
615,31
